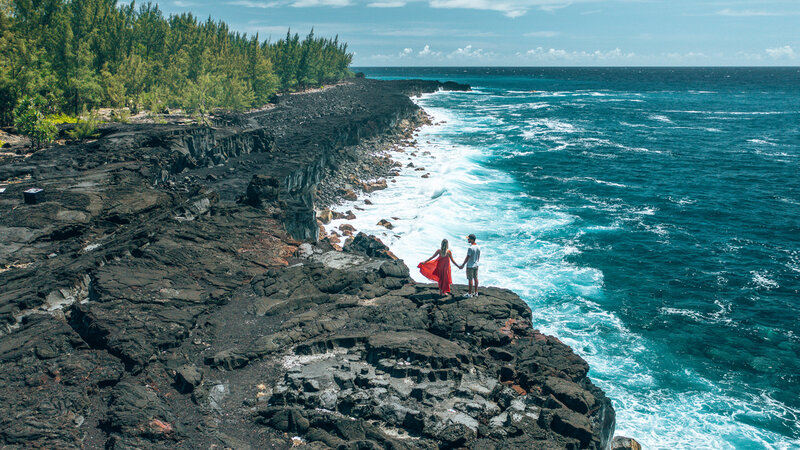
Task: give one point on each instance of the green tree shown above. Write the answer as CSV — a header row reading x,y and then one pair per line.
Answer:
x,y
30,121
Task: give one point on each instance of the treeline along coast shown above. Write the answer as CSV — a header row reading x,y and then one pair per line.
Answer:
x,y
74,56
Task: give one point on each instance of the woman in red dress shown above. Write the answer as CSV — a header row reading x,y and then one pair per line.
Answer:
x,y
439,269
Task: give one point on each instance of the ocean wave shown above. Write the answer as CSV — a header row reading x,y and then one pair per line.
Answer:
x,y
732,113
762,142
791,201
635,125
540,126
760,280
645,211
681,200
619,100
582,179
660,118
722,315
776,155
599,155
591,142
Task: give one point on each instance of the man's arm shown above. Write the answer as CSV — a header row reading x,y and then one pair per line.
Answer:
x,y
466,258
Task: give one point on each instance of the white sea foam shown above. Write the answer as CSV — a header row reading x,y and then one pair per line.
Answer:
x,y
761,280
719,316
682,200
635,125
733,113
540,126
592,142
660,118
761,142
599,155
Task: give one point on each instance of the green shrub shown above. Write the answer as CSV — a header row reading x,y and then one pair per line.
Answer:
x,y
86,127
29,120
60,118
2,143
154,100
156,118
122,115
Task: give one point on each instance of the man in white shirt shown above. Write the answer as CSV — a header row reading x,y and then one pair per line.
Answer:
x,y
471,261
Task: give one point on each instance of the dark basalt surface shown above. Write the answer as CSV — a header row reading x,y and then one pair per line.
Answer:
x,y
170,293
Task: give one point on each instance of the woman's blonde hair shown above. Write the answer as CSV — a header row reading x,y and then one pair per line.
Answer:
x,y
444,247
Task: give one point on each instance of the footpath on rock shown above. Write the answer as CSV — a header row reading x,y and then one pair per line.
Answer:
x,y
168,290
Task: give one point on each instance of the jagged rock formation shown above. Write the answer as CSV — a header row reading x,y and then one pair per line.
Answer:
x,y
162,296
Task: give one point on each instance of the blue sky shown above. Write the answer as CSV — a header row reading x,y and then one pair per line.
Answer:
x,y
529,32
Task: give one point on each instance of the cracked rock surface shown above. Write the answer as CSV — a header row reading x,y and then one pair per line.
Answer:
x,y
170,292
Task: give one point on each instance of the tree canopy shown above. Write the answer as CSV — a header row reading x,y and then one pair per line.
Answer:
x,y
75,55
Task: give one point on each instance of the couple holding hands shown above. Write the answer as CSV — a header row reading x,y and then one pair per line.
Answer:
x,y
437,267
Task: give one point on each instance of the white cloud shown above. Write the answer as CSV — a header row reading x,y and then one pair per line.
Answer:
x,y
746,13
296,3
428,52
182,4
510,8
250,4
553,54
780,52
407,51
314,3
543,34
386,4
469,52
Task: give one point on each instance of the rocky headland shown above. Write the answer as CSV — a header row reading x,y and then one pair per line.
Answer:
x,y
168,289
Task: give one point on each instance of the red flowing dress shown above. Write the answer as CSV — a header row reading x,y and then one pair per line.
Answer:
x,y
438,270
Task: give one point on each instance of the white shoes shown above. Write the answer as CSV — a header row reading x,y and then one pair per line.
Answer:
x,y
471,295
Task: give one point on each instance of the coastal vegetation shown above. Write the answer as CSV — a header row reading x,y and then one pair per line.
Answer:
x,y
60,59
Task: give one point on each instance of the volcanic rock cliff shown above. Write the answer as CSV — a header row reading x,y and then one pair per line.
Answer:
x,y
168,290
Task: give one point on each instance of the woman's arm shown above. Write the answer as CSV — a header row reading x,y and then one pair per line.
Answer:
x,y
450,254
435,254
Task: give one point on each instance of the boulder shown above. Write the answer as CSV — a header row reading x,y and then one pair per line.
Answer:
x,y
456,435
570,394
374,186
347,229
396,269
386,224
625,443
571,424
348,194
325,216
187,378
370,246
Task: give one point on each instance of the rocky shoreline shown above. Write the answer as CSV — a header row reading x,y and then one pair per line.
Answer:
x,y
169,290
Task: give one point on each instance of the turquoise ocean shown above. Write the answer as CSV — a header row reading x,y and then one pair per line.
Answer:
x,y
650,217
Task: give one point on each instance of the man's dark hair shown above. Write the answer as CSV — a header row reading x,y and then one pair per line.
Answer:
x,y
471,237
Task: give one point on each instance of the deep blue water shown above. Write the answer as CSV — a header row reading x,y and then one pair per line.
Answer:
x,y
651,219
